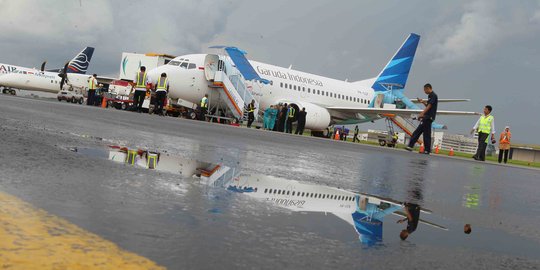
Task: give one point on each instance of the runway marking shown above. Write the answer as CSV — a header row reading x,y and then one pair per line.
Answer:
x,y
31,238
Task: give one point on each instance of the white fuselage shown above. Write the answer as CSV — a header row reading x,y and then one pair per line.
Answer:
x,y
36,80
288,86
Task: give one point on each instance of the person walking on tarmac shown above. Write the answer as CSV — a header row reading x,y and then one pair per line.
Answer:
x,y
484,126
162,89
141,81
301,118
92,85
203,108
291,114
427,116
251,113
282,117
356,131
504,144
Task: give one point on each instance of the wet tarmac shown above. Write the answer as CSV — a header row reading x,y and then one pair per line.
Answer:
x,y
56,157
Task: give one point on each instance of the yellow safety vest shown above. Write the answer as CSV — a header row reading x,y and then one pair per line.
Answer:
x,y
204,102
251,108
141,80
291,112
485,124
91,84
162,84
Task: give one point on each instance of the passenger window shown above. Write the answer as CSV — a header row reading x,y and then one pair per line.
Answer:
x,y
318,92
309,90
275,191
288,192
290,86
322,93
304,89
281,85
192,66
285,85
294,87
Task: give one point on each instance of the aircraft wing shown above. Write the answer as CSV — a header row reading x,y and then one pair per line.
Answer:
x,y
401,112
447,100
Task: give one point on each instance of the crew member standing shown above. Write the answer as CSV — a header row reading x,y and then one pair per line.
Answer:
x,y
291,113
282,117
140,82
301,118
162,89
203,108
504,144
484,126
427,116
251,113
92,84
356,131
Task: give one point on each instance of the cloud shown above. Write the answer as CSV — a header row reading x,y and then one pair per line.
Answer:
x,y
112,26
476,32
482,27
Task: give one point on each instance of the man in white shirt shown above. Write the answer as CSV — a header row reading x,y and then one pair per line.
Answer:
x,y
140,84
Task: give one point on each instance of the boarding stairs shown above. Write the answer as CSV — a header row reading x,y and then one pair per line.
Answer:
x,y
233,91
230,75
406,125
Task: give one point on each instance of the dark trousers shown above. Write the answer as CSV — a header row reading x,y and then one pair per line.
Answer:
x,y
160,101
288,128
423,128
505,154
138,99
355,138
90,99
251,118
300,128
482,145
202,114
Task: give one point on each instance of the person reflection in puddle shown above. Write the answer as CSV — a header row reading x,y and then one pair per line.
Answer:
x,y
413,216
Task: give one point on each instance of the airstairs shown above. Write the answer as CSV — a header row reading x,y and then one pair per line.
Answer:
x,y
229,75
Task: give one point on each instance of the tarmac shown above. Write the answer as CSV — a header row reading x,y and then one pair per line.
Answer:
x,y
71,211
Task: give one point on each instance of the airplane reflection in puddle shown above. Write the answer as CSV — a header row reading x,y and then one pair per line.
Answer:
x,y
362,211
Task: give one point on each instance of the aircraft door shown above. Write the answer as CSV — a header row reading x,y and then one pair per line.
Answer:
x,y
211,66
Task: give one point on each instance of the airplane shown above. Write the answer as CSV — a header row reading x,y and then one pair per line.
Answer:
x,y
327,101
73,75
364,212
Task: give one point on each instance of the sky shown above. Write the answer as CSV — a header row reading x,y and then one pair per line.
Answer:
x,y
484,50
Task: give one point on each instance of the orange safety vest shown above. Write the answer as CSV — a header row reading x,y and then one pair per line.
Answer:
x,y
505,139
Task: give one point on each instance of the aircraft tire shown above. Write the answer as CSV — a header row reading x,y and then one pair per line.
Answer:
x,y
12,92
81,100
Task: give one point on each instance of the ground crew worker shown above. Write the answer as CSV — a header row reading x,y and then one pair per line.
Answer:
x,y
251,113
484,126
504,144
140,83
92,85
162,89
395,138
282,117
301,117
412,212
291,113
356,131
204,108
427,116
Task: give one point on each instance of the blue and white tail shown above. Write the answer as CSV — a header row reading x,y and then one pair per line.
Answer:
x,y
80,63
394,75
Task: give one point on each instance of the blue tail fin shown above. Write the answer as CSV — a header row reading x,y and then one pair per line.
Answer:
x,y
396,72
80,63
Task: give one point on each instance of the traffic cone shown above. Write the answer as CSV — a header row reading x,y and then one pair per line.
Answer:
x,y
104,103
422,149
451,153
437,149
336,137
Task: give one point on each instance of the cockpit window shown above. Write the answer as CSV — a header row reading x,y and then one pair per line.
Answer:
x,y
184,65
174,63
192,66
